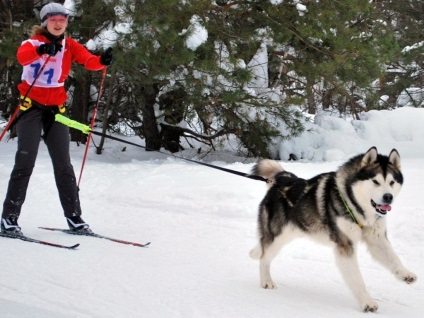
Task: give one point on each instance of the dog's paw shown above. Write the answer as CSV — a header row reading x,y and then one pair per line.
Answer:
x,y
269,284
410,278
369,306
256,252
406,276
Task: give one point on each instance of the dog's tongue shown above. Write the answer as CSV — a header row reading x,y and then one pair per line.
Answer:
x,y
385,207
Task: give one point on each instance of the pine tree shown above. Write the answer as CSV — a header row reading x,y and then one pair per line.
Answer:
x,y
258,61
86,23
16,19
402,83
256,66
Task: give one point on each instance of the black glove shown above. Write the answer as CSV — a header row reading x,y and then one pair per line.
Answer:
x,y
107,57
49,48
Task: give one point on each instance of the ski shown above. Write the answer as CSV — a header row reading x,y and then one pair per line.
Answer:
x,y
32,240
96,235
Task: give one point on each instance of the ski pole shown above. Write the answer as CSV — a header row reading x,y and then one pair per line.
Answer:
x,y
93,118
11,120
15,113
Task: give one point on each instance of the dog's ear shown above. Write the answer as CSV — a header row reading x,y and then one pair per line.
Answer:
x,y
394,159
369,157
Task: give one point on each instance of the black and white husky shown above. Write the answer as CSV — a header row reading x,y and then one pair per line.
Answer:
x,y
340,208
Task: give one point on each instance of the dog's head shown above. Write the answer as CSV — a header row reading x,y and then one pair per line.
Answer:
x,y
378,182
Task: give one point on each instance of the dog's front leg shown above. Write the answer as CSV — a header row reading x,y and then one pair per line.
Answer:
x,y
383,252
348,265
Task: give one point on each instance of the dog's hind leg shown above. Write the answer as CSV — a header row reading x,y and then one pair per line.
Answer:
x,y
265,276
265,265
269,251
348,265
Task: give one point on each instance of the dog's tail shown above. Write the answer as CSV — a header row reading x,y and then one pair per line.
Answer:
x,y
267,169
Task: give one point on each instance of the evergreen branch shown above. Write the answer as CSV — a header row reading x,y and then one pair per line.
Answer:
x,y
179,129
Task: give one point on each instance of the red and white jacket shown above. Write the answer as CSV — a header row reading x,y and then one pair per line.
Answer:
x,y
49,88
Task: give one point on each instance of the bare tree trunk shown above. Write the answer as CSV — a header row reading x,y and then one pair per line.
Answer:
x,y
79,108
172,105
150,127
106,112
312,108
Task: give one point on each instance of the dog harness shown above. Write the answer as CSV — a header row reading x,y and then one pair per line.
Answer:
x,y
349,210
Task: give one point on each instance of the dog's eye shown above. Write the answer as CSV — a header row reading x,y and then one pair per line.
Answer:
x,y
392,183
376,182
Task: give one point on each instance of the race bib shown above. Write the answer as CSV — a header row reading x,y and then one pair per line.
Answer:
x,y
50,74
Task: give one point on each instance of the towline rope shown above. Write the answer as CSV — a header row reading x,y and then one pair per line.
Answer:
x,y
87,130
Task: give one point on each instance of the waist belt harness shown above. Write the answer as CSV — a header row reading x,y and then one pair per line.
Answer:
x,y
27,104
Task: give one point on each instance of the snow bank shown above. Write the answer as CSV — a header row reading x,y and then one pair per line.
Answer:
x,y
331,138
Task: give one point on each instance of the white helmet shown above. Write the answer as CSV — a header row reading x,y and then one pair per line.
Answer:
x,y
52,9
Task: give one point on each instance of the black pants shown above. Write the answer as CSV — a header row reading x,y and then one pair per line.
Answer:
x,y
29,129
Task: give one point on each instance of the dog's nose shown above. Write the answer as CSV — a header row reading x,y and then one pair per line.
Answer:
x,y
387,198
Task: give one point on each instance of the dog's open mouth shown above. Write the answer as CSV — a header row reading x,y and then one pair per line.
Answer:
x,y
381,209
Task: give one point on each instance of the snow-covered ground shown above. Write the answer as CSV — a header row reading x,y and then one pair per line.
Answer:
x,y
202,224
